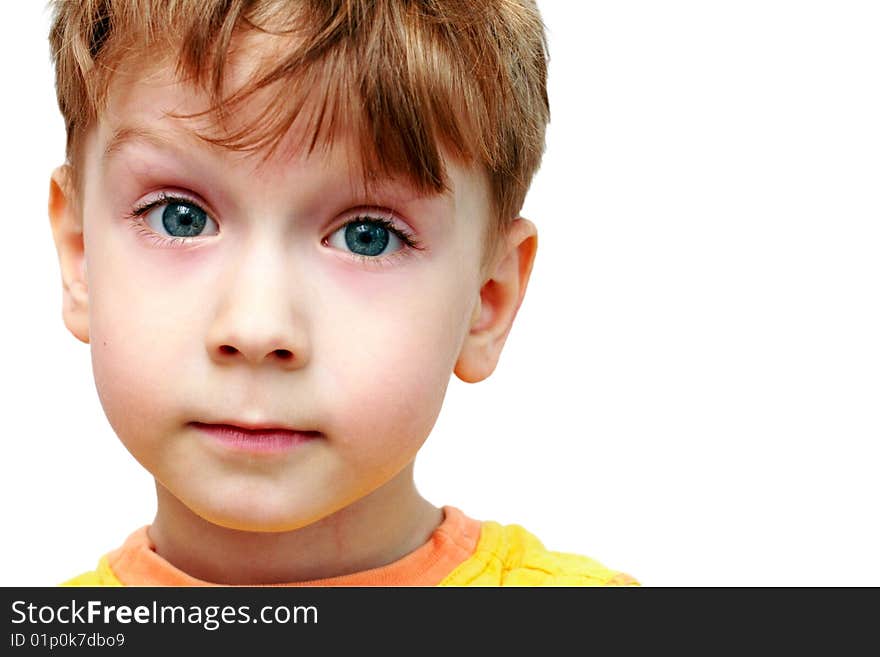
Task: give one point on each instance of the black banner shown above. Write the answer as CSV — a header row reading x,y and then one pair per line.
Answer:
x,y
230,619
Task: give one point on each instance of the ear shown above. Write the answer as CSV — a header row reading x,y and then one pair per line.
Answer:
x,y
67,231
500,298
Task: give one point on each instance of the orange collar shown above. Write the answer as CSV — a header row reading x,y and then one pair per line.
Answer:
x,y
137,563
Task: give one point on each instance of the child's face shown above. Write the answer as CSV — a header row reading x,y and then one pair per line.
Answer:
x,y
267,317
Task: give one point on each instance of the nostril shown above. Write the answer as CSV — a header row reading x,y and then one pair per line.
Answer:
x,y
283,354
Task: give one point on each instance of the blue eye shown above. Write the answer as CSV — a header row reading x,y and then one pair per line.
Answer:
x,y
175,217
369,237
183,219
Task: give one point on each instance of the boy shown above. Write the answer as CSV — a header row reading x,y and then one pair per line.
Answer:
x,y
282,226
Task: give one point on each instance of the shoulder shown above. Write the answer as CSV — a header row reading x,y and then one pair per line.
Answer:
x,y
509,555
101,576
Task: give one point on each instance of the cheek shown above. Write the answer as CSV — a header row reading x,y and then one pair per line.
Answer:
x,y
386,355
140,333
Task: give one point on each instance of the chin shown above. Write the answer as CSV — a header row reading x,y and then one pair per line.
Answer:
x,y
255,516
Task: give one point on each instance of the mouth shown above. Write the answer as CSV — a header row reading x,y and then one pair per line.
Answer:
x,y
256,439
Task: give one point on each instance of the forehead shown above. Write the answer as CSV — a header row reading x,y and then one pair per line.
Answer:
x,y
152,104
143,114
148,103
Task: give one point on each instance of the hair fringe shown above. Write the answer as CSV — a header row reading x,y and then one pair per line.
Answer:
x,y
426,75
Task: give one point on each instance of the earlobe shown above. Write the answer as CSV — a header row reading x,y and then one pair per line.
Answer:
x,y
67,232
500,298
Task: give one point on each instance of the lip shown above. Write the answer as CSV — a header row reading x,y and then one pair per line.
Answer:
x,y
256,439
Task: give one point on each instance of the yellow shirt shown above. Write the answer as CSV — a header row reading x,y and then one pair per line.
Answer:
x,y
460,552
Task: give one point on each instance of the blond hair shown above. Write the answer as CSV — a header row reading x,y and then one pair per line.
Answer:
x,y
465,75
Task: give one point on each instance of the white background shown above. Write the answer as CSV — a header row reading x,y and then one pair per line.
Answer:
x,y
690,391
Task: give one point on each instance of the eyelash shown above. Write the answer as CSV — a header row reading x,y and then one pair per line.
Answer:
x,y
408,239
142,229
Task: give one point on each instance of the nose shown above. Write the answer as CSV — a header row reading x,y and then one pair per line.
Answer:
x,y
258,321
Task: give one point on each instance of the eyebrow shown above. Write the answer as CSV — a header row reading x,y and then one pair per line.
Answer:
x,y
125,136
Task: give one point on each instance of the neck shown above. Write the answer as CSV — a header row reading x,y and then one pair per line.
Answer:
x,y
376,530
